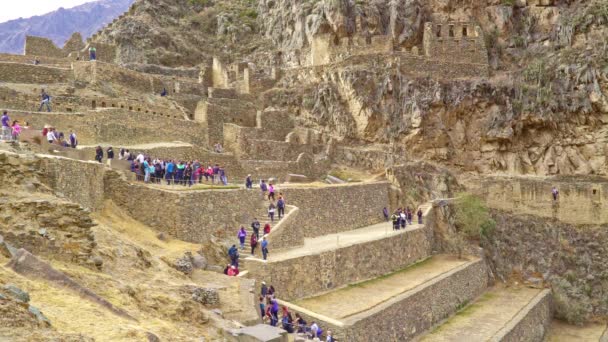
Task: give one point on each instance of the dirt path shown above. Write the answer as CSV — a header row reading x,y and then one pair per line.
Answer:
x,y
339,304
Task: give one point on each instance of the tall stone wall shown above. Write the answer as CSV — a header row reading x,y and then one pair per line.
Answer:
x,y
455,42
315,273
38,46
338,208
327,48
581,201
215,112
29,73
191,216
80,182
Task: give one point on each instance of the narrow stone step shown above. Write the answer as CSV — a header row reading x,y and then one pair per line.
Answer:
x,y
501,314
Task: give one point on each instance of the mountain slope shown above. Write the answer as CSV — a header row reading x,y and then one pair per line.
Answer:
x,y
60,24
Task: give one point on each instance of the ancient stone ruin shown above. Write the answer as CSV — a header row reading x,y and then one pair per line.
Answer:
x,y
479,120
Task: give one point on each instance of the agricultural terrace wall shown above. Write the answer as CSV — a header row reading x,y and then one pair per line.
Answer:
x,y
117,127
81,182
44,61
409,314
29,73
69,104
580,201
186,215
96,72
335,268
288,232
371,159
214,112
532,323
38,46
327,48
338,208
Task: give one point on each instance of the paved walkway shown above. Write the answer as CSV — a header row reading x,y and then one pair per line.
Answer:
x,y
481,320
339,304
334,241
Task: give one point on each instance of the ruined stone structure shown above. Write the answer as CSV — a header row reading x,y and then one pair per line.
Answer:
x,y
335,126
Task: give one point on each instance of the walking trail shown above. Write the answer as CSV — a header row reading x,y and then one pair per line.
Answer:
x,y
330,242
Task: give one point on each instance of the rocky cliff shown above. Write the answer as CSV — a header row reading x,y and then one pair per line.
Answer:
x,y
60,24
543,110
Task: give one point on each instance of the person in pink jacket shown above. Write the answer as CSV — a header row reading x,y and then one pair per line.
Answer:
x,y
16,130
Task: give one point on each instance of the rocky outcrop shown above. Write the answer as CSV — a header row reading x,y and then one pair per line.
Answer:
x,y
571,260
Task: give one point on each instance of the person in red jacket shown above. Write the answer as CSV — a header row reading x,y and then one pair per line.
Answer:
x,y
253,242
267,228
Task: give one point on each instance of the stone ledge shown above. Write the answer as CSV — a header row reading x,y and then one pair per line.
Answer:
x,y
531,323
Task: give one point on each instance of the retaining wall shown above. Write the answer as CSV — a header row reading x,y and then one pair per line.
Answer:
x,y
312,274
29,73
530,324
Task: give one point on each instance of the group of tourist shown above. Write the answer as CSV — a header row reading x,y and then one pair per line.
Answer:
x,y
10,131
402,217
269,310
58,138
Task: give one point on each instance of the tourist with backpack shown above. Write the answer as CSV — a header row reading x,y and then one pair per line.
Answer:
x,y
233,253
263,187
281,207
255,225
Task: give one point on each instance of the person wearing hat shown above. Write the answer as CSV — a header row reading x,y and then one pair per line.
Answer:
x,y
248,182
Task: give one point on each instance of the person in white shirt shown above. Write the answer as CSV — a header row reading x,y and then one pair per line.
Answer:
x,y
50,136
140,158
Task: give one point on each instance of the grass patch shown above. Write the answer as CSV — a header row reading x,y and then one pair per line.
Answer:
x,y
347,175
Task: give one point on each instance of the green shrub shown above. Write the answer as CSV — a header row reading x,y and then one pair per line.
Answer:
x,y
473,217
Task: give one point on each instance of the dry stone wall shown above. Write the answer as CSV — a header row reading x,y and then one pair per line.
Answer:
x,y
30,73
335,268
81,182
580,201
38,46
186,215
119,127
338,208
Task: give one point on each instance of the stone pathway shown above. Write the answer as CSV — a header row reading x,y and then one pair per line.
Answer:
x,y
334,241
481,320
137,147
339,304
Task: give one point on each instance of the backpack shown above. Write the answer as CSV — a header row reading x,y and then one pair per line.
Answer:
x,y
280,203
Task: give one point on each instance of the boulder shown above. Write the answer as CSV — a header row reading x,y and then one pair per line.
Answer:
x,y
16,293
